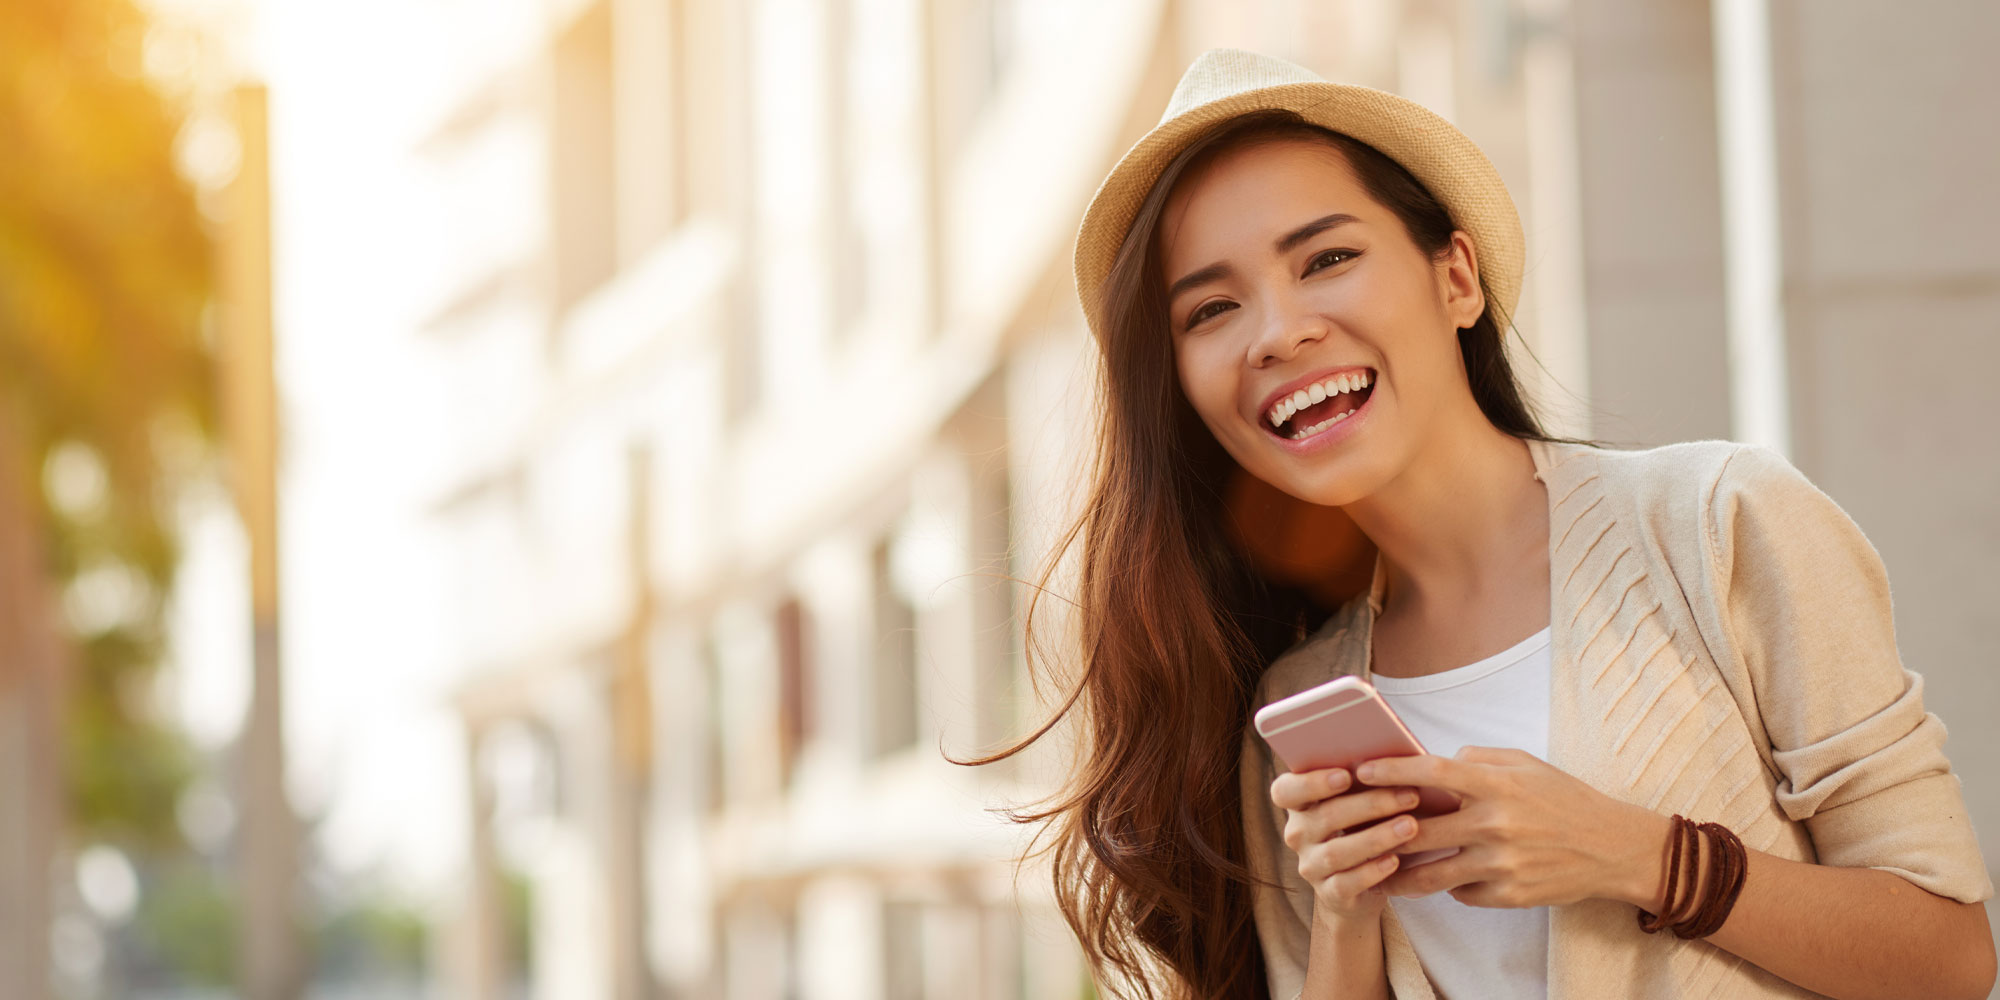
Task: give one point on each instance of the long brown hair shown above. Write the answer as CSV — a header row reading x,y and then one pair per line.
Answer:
x,y
1176,624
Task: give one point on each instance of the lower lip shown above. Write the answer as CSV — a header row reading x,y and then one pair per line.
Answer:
x,y
1332,436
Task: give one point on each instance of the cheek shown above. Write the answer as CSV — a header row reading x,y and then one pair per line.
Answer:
x,y
1207,380
1404,322
1432,360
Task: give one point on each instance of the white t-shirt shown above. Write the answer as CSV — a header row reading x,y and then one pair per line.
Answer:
x,y
1501,701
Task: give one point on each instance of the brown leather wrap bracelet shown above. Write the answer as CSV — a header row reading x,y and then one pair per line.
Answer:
x,y
1712,887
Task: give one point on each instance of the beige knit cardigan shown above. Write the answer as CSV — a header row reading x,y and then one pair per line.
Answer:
x,y
1722,648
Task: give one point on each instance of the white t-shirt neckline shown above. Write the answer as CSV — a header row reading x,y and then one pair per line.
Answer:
x,y
1467,674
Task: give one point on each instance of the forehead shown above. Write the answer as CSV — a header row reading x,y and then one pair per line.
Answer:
x,y
1244,198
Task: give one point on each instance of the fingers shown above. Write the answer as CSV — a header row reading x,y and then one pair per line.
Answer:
x,y
1454,829
1301,791
1352,864
1325,860
1349,885
1362,807
1494,755
1426,770
1344,868
1331,818
1442,875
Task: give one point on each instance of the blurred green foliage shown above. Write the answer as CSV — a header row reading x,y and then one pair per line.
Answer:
x,y
127,772
518,921
187,917
372,940
107,379
105,279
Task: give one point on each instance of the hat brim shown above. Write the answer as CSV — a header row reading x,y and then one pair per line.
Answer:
x,y
1453,168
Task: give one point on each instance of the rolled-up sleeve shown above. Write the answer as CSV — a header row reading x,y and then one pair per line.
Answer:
x,y
1805,606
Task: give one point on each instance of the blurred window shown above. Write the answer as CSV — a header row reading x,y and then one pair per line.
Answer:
x,y
585,240
713,742
895,656
521,762
977,45
795,685
903,951
794,954
1008,941
720,136
848,256
998,631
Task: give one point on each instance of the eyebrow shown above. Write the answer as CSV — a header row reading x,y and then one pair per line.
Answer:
x,y
1284,244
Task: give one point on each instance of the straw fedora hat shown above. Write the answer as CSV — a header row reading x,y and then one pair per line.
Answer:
x,y
1224,83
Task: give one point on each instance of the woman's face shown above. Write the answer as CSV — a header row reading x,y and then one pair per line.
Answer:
x,y
1294,297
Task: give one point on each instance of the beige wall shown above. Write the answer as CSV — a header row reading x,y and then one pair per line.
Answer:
x,y
1888,149
1652,221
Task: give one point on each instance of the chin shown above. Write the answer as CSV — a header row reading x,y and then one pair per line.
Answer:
x,y
1347,472
1330,492
1327,481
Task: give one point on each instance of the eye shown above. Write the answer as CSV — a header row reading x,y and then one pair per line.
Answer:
x,y
1328,258
1207,309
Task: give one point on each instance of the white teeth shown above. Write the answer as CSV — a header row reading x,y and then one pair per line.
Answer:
x,y
1322,425
1287,407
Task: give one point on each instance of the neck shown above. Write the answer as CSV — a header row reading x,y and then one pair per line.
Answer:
x,y
1466,510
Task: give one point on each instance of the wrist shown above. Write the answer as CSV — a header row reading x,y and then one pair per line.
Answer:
x,y
1639,876
1349,922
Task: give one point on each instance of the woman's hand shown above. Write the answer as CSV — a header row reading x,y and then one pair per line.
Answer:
x,y
1528,834
1343,868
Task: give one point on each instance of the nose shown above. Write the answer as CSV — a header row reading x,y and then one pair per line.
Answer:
x,y
1288,325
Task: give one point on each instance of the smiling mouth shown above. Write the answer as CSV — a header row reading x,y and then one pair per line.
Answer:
x,y
1318,407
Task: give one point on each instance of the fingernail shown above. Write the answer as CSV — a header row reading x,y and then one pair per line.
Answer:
x,y
1406,826
1336,780
1407,798
1365,772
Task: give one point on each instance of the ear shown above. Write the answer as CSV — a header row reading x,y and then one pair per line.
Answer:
x,y
1464,300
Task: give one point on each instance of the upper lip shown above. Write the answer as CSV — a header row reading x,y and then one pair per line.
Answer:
x,y
1300,383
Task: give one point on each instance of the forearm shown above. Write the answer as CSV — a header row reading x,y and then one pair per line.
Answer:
x,y
1850,933
1345,961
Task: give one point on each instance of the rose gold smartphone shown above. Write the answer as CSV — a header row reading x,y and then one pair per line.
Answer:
x,y
1340,724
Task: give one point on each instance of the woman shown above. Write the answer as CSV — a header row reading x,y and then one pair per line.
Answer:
x,y
1299,290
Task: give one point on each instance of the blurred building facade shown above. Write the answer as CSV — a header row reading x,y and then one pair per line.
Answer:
x,y
766,370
